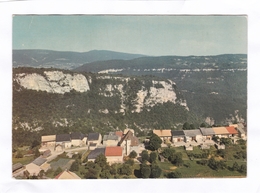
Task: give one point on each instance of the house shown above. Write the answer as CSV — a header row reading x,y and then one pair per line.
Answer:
x,y
126,131
165,135
192,135
48,140
78,139
67,175
232,131
17,167
114,154
36,166
207,133
63,141
95,153
119,134
111,139
221,132
177,136
129,143
94,140
240,128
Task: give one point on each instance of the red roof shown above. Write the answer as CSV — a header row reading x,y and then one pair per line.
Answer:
x,y
119,133
113,151
232,130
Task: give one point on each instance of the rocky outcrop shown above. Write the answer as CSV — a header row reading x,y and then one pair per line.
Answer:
x,y
53,82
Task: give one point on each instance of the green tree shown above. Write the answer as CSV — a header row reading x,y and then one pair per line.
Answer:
x,y
145,170
174,175
203,125
176,159
145,156
35,143
153,156
235,166
105,174
243,168
133,154
91,174
155,142
156,171
186,126
36,153
74,166
101,160
168,152
125,170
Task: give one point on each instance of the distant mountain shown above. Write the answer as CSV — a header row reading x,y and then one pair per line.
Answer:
x,y
64,60
215,87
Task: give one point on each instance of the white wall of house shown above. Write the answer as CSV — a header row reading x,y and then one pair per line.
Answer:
x,y
114,159
177,139
110,143
98,142
134,148
76,142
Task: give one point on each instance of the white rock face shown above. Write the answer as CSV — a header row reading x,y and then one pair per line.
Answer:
x,y
55,82
161,95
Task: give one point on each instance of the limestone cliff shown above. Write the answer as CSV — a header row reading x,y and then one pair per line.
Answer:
x,y
53,82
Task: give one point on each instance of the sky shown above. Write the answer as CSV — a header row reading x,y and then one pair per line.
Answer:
x,y
149,35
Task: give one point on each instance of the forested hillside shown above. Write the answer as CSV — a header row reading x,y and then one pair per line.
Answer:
x,y
111,103
213,86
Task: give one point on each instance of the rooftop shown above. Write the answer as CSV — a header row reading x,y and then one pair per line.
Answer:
x,y
77,136
93,136
96,152
17,166
67,175
192,133
162,133
62,137
47,138
113,151
220,130
231,130
207,131
177,133
130,136
39,161
110,137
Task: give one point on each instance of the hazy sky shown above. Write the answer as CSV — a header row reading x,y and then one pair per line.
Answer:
x,y
150,35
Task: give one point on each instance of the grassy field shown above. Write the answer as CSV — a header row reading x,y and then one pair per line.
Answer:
x,y
199,171
23,160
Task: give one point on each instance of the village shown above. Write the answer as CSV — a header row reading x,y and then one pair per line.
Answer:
x,y
118,147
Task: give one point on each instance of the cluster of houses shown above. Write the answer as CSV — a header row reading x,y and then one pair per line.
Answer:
x,y
201,136
116,145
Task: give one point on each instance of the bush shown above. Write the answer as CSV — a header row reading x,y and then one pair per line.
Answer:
x,y
133,154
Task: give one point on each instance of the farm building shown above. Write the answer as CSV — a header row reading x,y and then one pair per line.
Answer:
x,y
129,143
192,135
114,154
207,133
177,136
94,140
67,175
165,135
